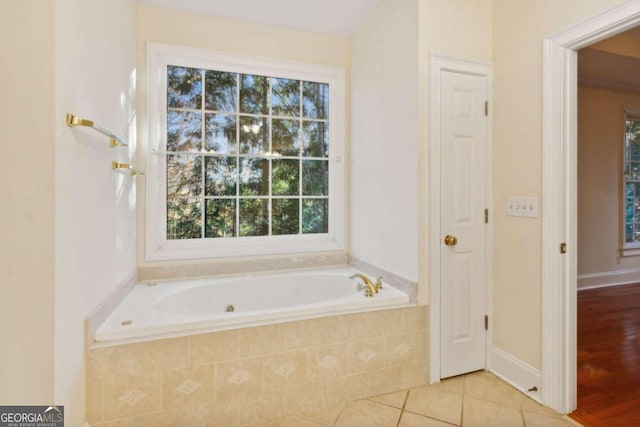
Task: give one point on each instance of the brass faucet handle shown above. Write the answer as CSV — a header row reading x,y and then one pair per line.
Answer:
x,y
368,292
379,283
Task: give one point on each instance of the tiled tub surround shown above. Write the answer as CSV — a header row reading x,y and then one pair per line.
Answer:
x,y
203,305
243,376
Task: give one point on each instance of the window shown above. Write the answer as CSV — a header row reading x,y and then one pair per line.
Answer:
x,y
632,182
245,155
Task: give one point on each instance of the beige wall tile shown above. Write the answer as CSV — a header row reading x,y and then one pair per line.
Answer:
x,y
327,415
435,403
295,421
365,355
187,387
415,375
368,413
160,355
304,398
132,395
415,318
326,362
344,389
192,416
213,347
106,363
250,407
357,326
383,381
423,345
479,413
262,340
237,377
402,349
341,327
127,422
384,322
93,404
309,333
285,370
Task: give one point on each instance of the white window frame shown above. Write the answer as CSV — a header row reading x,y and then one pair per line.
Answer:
x,y
627,249
158,248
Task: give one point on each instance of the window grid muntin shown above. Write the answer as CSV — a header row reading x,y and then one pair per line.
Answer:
x,y
300,197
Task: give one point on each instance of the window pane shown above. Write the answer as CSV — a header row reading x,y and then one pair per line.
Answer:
x,y
254,135
285,139
628,235
629,194
286,216
184,175
220,218
285,99
254,94
220,131
315,216
315,103
254,217
315,177
184,131
184,87
286,177
183,219
254,177
636,233
221,178
315,136
628,213
220,91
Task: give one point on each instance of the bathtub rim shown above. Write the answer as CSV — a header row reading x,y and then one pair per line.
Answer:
x,y
128,288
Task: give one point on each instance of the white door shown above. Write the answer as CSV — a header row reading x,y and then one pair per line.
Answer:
x,y
463,147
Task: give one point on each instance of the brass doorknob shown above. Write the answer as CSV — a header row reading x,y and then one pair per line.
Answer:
x,y
450,240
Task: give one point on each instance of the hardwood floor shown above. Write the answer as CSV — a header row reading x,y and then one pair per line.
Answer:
x,y
609,357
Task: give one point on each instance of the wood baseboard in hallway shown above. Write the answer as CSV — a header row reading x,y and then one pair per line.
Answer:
x,y
609,357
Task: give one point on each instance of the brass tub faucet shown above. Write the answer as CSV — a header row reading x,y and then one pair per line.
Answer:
x,y
367,285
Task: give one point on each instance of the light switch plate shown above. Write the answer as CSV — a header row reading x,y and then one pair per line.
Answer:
x,y
522,206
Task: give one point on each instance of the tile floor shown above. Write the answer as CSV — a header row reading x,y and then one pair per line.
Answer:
x,y
476,399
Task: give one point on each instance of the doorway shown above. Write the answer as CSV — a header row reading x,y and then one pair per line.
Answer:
x,y
559,237
460,191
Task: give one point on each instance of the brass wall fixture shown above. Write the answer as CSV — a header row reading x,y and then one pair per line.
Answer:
x,y
132,170
114,141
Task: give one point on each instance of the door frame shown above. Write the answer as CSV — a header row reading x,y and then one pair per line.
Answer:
x,y
475,68
559,198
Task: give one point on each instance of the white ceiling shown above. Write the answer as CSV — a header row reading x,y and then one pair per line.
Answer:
x,y
340,17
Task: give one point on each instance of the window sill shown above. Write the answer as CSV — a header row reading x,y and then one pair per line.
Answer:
x,y
216,248
630,251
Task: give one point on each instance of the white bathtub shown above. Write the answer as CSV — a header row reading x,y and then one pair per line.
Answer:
x,y
198,305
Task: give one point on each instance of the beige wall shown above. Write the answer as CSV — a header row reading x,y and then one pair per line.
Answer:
x,y
600,155
385,139
518,30
439,20
27,202
207,32
95,220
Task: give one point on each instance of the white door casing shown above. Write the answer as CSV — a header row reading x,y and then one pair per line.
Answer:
x,y
559,198
459,192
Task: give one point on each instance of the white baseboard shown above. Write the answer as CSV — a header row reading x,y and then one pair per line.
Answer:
x,y
515,372
608,278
